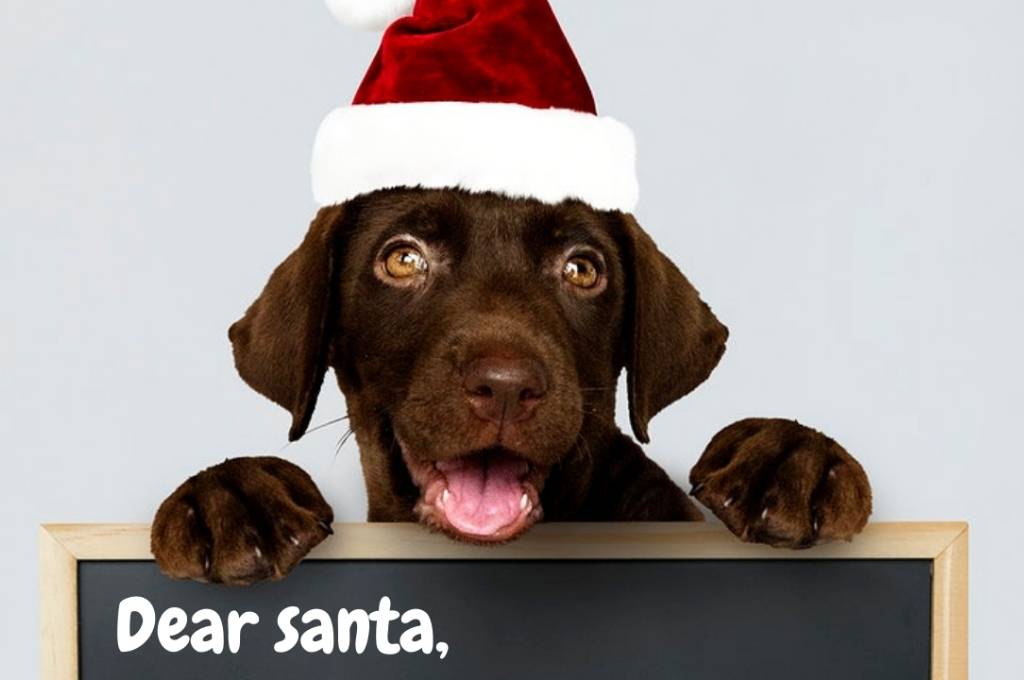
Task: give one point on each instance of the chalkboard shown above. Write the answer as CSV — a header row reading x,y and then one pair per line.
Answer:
x,y
701,620
713,608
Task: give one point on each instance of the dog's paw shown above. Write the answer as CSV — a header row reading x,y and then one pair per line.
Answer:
x,y
778,482
243,521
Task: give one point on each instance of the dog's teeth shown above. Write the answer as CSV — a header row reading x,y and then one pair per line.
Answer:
x,y
764,514
259,553
445,496
727,503
524,502
295,541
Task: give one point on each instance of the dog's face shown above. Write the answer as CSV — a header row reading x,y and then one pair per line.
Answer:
x,y
478,340
484,329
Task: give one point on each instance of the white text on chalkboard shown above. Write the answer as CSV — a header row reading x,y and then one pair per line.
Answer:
x,y
316,633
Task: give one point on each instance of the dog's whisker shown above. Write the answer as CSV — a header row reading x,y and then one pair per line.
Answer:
x,y
597,415
342,441
583,447
327,424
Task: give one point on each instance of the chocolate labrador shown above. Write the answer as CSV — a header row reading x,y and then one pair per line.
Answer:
x,y
478,340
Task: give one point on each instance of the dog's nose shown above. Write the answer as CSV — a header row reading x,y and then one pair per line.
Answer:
x,y
502,389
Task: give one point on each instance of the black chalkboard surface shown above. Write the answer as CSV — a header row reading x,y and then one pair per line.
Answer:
x,y
566,601
772,620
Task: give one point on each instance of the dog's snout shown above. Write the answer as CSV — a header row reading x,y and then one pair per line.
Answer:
x,y
503,389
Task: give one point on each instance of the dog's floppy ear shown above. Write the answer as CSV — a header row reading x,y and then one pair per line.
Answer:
x,y
281,345
673,340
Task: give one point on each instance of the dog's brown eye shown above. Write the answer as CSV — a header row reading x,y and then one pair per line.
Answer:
x,y
405,262
581,272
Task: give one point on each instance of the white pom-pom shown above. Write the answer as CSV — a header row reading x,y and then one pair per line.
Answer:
x,y
370,15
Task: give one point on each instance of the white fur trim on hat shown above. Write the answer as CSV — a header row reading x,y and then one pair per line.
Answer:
x,y
547,154
370,15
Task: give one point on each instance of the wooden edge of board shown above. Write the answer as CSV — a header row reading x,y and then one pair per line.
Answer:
x,y
58,608
606,540
950,610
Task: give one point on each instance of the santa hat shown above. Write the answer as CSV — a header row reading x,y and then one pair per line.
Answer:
x,y
482,95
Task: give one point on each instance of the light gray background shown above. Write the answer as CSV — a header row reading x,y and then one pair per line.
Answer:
x,y
843,181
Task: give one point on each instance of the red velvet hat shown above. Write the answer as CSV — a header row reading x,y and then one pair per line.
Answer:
x,y
483,95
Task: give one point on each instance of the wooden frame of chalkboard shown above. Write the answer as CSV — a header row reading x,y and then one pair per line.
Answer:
x,y
63,546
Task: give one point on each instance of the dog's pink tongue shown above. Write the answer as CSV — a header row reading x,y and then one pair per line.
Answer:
x,y
484,492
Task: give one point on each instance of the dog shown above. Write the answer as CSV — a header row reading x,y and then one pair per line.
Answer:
x,y
478,340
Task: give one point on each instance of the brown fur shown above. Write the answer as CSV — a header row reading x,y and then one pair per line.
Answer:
x,y
495,290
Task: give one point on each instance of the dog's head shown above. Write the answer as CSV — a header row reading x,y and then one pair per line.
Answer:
x,y
478,340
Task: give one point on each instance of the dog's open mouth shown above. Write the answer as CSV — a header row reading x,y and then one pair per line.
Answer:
x,y
488,496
